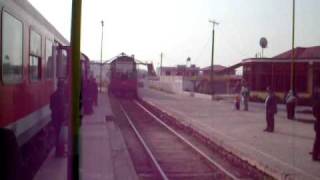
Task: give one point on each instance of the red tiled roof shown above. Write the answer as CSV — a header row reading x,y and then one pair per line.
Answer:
x,y
301,52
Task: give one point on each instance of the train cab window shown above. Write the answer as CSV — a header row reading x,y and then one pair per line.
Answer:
x,y
12,49
35,56
49,59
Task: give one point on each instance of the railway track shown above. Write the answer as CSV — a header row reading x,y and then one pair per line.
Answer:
x,y
162,151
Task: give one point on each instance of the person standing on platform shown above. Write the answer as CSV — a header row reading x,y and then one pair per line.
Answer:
x,y
245,95
88,97
237,102
316,113
95,91
271,110
291,102
58,115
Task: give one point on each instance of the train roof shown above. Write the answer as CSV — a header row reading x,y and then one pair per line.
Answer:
x,y
122,57
32,11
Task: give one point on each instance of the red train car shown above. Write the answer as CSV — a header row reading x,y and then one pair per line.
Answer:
x,y
28,66
33,56
123,77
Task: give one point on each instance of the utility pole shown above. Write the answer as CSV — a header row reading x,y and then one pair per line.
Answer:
x,y
161,56
101,51
212,57
292,79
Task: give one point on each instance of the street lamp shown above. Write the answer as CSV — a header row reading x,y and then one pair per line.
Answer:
x,y
212,55
101,55
161,56
292,79
185,70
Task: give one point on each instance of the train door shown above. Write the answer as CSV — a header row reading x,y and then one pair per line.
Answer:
x,y
55,57
63,63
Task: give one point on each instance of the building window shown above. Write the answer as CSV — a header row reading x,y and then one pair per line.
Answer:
x,y
12,49
168,73
35,56
49,59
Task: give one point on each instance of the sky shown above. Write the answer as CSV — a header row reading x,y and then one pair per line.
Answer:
x,y
180,28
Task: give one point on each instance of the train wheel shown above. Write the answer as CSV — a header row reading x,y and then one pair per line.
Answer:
x,y
10,157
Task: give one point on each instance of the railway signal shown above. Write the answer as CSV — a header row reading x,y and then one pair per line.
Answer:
x,y
263,44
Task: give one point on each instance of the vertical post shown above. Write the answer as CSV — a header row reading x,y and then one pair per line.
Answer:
x,y
101,51
292,79
74,151
161,56
212,58
212,64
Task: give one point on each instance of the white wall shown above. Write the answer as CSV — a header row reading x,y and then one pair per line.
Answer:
x,y
172,84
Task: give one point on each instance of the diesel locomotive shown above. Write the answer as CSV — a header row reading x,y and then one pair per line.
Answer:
x,y
123,76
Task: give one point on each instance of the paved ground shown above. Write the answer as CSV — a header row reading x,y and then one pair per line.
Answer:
x,y
284,153
103,152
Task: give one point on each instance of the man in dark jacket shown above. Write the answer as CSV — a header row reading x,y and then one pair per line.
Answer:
x,y
271,110
58,114
316,113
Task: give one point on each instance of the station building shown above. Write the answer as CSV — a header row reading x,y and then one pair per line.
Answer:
x,y
275,72
225,80
218,70
198,79
179,70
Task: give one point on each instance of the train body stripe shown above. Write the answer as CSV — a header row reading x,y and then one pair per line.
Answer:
x,y
27,126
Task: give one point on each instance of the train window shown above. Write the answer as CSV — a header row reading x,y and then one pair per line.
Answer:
x,y
49,59
35,56
34,68
12,49
124,67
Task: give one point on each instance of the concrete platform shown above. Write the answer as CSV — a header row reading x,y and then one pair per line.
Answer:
x,y
283,154
104,155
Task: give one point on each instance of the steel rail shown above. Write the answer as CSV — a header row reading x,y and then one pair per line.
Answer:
x,y
154,160
228,173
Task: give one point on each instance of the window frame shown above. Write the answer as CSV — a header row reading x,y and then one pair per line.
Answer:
x,y
16,17
40,57
46,60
